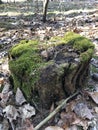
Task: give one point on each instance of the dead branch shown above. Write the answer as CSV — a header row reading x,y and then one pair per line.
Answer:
x,y
54,112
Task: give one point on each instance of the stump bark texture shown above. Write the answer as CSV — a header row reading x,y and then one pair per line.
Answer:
x,y
64,67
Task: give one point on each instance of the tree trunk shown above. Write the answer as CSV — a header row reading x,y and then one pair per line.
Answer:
x,y
45,6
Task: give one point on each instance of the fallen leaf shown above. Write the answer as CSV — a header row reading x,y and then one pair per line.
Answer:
x,y
53,128
19,97
77,30
67,118
1,80
10,112
74,127
6,88
94,96
5,97
27,111
96,109
81,122
29,125
83,111
70,106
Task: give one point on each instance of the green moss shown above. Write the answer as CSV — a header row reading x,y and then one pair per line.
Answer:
x,y
23,47
78,42
56,40
25,65
26,60
87,55
81,44
72,67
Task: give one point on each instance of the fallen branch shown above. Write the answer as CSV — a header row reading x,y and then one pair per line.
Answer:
x,y
54,112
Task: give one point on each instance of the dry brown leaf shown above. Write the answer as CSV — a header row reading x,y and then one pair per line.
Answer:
x,y
5,97
70,117
73,120
94,96
70,106
83,111
96,109
6,88
67,119
11,112
74,127
29,125
53,128
27,111
77,30
81,122
1,80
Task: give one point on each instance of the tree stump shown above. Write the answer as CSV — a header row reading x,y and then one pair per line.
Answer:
x,y
53,70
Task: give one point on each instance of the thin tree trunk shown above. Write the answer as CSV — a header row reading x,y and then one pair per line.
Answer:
x,y
45,6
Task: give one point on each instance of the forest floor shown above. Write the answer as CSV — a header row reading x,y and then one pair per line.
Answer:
x,y
17,23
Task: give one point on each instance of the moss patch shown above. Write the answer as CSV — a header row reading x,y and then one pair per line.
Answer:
x,y
25,65
79,43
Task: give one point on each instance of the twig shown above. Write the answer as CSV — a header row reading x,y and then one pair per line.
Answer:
x,y
36,105
54,112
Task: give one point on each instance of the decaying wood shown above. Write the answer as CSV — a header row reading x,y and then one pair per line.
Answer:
x,y
54,112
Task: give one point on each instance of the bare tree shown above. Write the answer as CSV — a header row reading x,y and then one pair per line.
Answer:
x,y
45,6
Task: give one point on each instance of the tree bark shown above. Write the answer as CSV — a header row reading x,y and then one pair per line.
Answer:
x,y
45,6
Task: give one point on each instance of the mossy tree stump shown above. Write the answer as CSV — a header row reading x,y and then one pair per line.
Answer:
x,y
54,70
